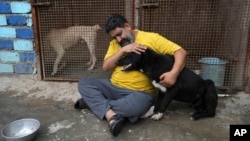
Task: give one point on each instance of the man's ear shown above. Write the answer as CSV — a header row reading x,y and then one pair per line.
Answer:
x,y
128,26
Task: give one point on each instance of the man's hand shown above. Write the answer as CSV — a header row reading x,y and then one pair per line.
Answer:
x,y
134,47
168,79
110,63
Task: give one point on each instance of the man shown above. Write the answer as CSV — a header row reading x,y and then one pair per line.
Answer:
x,y
127,95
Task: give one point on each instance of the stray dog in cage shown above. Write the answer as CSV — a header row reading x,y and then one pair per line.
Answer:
x,y
189,87
62,39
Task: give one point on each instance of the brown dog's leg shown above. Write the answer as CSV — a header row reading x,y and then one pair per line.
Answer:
x,y
60,54
92,60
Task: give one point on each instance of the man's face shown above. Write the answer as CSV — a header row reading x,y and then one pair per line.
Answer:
x,y
123,36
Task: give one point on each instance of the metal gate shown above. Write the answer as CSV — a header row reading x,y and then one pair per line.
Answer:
x,y
205,28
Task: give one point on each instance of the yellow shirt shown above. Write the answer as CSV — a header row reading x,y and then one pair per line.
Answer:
x,y
136,80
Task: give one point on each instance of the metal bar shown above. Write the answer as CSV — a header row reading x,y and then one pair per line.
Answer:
x,y
149,5
35,21
38,4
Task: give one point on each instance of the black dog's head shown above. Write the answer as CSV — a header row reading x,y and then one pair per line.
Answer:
x,y
134,61
146,61
131,61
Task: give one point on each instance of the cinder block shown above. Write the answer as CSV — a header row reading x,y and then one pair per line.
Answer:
x,y
23,68
6,68
7,56
3,20
28,57
7,32
16,20
6,44
5,7
24,45
24,33
20,7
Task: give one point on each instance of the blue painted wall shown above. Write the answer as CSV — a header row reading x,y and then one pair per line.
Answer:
x,y
17,53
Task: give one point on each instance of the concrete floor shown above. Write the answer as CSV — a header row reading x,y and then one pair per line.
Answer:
x,y
51,103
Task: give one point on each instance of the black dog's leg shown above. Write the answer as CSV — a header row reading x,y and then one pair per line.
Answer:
x,y
163,101
168,97
199,104
211,97
210,102
158,101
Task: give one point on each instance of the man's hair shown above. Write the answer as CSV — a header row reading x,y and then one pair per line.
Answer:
x,y
114,21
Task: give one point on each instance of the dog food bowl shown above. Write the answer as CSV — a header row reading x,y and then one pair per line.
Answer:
x,y
21,130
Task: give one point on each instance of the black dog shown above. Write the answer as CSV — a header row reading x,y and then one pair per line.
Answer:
x,y
189,87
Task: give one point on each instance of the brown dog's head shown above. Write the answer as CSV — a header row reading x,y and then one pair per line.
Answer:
x,y
97,27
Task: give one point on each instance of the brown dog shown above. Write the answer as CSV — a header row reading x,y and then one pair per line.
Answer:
x,y
61,39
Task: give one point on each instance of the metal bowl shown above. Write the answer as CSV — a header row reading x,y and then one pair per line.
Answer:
x,y
21,130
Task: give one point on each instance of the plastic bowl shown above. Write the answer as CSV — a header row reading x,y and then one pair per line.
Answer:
x,y
21,130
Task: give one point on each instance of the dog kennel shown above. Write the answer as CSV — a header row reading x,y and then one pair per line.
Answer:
x,y
205,28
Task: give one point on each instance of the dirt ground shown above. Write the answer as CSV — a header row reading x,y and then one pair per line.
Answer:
x,y
23,96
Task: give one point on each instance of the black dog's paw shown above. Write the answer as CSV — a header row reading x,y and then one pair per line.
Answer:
x,y
195,116
80,104
202,114
157,116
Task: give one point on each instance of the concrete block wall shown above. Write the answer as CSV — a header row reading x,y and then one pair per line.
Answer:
x,y
17,53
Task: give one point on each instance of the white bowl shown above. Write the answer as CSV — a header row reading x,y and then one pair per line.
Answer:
x,y
21,130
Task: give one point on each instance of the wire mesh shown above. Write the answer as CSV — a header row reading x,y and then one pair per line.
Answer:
x,y
63,14
205,28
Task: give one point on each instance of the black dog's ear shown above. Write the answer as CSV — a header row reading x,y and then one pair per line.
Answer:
x,y
123,61
127,59
119,63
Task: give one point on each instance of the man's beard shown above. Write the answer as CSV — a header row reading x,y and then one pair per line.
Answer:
x,y
128,40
